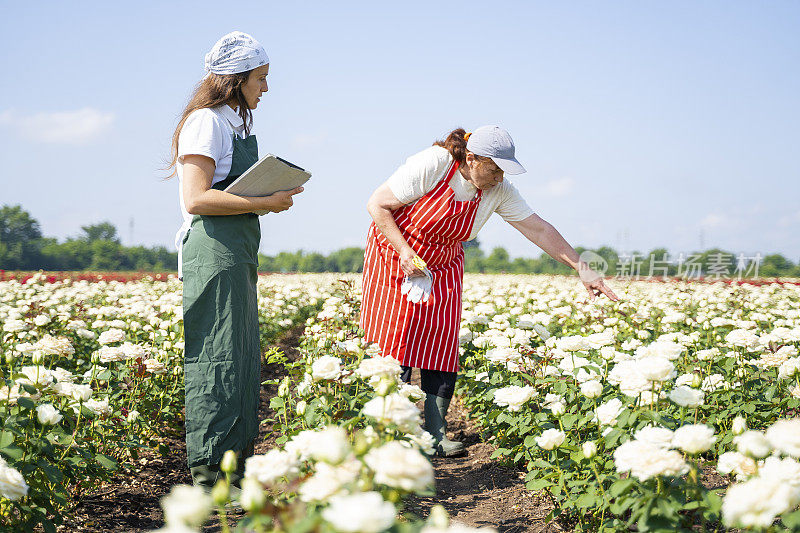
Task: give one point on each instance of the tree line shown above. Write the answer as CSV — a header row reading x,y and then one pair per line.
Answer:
x,y
98,247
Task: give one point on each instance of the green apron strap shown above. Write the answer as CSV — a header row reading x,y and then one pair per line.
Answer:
x,y
245,155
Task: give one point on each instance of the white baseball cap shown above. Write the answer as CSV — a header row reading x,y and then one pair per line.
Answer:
x,y
495,142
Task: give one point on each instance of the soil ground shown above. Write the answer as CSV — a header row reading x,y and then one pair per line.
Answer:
x,y
475,489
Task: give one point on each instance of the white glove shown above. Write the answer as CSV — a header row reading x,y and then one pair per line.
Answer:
x,y
418,288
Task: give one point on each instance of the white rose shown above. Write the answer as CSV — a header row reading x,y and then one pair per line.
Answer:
x,y
644,460
393,408
657,436
694,438
784,435
378,366
686,396
550,438
98,407
112,335
756,502
154,366
713,382
606,414
271,466
400,467
591,388
736,463
789,368
12,484
365,512
513,396
328,481
186,505
36,375
330,445
326,367
706,355
48,415
656,368
753,443
666,349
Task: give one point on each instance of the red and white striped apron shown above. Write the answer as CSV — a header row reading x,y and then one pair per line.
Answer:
x,y
423,335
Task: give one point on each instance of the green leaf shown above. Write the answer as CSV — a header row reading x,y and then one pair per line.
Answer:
x,y
791,520
6,438
12,451
585,501
537,484
30,389
106,462
620,486
26,403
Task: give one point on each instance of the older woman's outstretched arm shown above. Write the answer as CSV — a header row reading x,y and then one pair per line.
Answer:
x,y
546,236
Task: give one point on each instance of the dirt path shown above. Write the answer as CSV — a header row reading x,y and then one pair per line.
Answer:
x,y
481,492
475,489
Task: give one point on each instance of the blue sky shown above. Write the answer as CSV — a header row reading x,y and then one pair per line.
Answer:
x,y
641,124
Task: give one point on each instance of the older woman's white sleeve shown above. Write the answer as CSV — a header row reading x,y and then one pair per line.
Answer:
x,y
512,206
202,134
419,174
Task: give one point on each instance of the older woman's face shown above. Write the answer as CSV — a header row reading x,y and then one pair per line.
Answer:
x,y
484,174
255,86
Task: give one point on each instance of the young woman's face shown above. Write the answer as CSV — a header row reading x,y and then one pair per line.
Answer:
x,y
255,86
484,174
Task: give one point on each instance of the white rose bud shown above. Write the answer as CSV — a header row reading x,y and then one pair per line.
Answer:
x,y
739,425
220,493
385,386
591,388
438,518
697,380
301,407
252,497
228,463
589,449
283,388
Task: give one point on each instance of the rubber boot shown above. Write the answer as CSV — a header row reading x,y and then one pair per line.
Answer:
x,y
436,424
206,476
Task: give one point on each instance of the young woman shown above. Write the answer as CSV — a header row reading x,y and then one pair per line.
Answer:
x,y
218,255
439,198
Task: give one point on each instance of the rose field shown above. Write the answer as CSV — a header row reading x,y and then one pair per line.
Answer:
x,y
675,409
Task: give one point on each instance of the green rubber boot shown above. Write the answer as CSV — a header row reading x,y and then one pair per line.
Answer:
x,y
436,424
206,476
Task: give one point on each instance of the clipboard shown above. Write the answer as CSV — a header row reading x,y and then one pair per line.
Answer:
x,y
268,176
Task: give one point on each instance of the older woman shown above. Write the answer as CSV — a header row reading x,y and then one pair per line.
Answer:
x,y
218,255
414,262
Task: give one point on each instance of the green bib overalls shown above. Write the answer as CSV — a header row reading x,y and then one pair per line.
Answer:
x,y
222,361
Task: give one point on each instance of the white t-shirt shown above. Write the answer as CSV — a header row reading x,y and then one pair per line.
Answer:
x,y
421,172
207,132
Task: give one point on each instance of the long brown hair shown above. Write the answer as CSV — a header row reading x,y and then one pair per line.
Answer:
x,y
214,90
456,144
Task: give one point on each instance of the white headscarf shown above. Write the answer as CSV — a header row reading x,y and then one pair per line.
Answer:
x,y
236,52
